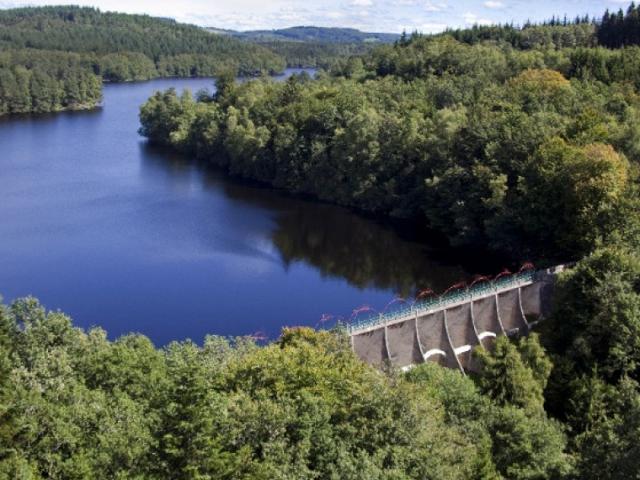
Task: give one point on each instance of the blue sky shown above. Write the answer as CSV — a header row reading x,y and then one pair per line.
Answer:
x,y
370,15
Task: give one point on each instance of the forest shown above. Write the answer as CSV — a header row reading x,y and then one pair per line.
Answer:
x,y
75,405
52,58
315,47
88,30
42,81
528,148
310,34
311,54
533,154
562,405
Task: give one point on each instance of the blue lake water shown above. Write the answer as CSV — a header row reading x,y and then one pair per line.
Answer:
x,y
119,235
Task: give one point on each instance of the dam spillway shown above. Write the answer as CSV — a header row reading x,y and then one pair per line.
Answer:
x,y
446,329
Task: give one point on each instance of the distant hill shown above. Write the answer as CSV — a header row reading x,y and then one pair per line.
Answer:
x,y
56,58
162,40
311,35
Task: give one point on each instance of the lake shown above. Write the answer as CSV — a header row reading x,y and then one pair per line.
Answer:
x,y
120,235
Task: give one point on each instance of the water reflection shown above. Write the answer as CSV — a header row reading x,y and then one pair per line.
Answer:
x,y
367,253
363,252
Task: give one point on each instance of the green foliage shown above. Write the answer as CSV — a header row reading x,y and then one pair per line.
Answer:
x,y
593,337
596,323
514,374
571,193
314,54
313,47
516,443
310,34
552,34
37,81
608,419
122,67
527,443
618,29
489,153
54,58
76,405
88,30
528,447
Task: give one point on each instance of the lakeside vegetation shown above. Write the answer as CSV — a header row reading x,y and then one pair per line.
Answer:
x,y
163,41
75,405
55,58
522,151
311,54
40,81
524,141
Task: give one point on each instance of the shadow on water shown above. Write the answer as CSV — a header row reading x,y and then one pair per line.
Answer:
x,y
367,252
18,118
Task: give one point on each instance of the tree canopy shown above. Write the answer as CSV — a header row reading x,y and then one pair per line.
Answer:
x,y
490,146
89,30
75,405
54,58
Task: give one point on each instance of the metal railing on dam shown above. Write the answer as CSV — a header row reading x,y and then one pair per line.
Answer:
x,y
446,328
441,302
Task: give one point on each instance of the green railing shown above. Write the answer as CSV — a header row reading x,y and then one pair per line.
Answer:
x,y
441,302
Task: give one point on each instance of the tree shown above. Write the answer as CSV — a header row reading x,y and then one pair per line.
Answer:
x,y
9,457
514,374
596,322
528,446
572,193
192,412
607,420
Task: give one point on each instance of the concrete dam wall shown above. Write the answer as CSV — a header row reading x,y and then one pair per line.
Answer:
x,y
445,330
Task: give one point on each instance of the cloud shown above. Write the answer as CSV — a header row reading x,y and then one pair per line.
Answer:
x,y
494,4
368,15
473,19
430,27
430,6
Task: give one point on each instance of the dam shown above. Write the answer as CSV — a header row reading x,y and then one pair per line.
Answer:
x,y
447,328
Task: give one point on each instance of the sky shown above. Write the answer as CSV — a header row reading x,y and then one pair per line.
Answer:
x,y
426,16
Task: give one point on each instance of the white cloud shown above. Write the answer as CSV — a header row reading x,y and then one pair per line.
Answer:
x,y
334,14
473,19
368,15
430,6
430,27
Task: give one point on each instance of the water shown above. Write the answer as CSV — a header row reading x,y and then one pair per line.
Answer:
x,y
132,239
